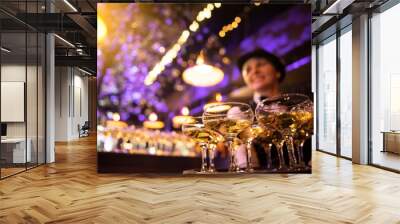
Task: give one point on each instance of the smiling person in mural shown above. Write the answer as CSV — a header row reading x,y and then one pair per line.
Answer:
x,y
262,72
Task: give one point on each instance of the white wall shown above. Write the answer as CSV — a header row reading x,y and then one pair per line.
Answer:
x,y
12,73
80,110
71,102
61,103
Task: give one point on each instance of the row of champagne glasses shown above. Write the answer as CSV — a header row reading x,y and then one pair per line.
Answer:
x,y
284,119
288,117
132,140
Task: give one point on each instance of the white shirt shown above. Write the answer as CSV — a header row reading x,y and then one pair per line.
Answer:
x,y
257,97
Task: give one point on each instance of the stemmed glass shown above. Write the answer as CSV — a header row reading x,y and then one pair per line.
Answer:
x,y
206,138
278,113
305,129
248,135
266,138
229,119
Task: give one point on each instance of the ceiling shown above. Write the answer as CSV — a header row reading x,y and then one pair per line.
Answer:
x,y
77,25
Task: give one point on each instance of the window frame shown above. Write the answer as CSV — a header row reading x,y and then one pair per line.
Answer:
x,y
334,37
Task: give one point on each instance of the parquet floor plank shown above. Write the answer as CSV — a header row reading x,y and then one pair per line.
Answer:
x,y
71,191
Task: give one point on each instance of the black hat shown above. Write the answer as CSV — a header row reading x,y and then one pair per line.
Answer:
x,y
260,53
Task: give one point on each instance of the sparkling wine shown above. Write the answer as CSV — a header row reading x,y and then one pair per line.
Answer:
x,y
227,126
304,116
250,133
279,120
306,119
203,135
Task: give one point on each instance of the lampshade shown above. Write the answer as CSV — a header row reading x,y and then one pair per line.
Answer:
x,y
177,121
153,124
202,75
116,124
217,107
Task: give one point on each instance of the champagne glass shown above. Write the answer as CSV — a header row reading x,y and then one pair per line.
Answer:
x,y
206,138
305,130
279,113
265,114
266,138
247,136
229,119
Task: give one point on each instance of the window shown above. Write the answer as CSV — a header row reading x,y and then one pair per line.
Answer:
x,y
385,89
22,77
345,93
326,94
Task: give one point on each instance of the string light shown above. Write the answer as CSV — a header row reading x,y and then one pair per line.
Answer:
x,y
200,17
207,13
234,25
194,26
185,111
172,53
238,19
228,28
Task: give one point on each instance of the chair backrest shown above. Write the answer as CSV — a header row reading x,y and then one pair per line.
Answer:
x,y
86,124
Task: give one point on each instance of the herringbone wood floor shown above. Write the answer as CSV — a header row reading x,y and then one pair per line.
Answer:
x,y
70,191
